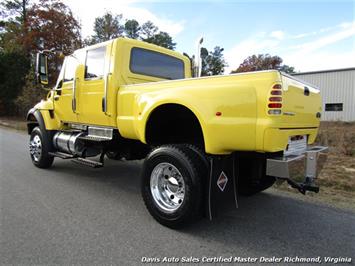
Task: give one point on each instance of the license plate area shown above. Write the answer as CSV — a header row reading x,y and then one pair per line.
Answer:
x,y
296,145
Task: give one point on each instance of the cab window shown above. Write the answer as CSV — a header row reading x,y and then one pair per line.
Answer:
x,y
70,67
152,63
95,63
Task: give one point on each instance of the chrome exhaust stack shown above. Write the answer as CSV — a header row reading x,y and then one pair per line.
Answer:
x,y
300,171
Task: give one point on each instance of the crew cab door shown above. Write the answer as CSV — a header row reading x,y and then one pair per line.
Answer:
x,y
93,88
64,91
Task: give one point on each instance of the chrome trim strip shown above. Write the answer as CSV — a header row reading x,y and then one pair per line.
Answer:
x,y
100,132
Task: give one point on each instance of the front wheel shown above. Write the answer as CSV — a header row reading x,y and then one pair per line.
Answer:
x,y
172,185
39,148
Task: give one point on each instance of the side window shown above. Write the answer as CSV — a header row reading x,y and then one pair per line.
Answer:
x,y
95,63
152,63
70,67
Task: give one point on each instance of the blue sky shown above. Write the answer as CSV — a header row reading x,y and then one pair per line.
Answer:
x,y
310,35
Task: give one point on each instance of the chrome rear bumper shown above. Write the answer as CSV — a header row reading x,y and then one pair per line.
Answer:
x,y
300,171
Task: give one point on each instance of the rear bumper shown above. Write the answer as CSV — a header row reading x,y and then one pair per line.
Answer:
x,y
276,139
301,171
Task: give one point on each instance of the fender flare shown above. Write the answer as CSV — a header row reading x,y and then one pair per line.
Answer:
x,y
47,134
39,118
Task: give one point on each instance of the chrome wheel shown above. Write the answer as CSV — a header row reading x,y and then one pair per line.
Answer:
x,y
36,148
167,187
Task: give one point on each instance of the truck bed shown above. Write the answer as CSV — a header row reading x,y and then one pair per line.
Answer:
x,y
233,110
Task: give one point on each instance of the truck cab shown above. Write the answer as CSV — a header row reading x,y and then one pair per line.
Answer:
x,y
89,81
204,139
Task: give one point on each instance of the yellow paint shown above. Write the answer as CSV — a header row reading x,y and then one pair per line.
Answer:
x,y
242,99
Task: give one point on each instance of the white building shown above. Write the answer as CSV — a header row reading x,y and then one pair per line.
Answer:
x,y
337,88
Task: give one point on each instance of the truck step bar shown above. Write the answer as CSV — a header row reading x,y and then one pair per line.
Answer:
x,y
62,155
87,162
93,138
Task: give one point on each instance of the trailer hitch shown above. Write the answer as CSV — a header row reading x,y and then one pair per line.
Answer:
x,y
307,185
301,170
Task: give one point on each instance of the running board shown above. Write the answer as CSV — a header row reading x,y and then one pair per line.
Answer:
x,y
94,138
62,155
87,162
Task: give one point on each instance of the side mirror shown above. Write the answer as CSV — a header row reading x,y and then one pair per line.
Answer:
x,y
41,70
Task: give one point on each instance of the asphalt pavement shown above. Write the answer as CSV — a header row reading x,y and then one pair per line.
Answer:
x,y
71,214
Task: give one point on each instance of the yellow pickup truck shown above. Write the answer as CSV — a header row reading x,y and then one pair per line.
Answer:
x,y
204,139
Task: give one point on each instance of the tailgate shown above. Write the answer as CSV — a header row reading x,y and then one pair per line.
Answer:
x,y
301,103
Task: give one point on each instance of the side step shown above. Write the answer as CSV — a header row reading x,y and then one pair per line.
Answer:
x,y
94,138
87,162
62,155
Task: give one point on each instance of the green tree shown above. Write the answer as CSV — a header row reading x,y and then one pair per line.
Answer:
x,y
213,62
13,25
107,27
132,29
50,25
148,30
287,69
13,69
263,62
16,8
31,93
162,39
53,27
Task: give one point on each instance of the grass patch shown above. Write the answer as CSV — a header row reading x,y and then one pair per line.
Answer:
x,y
13,122
337,178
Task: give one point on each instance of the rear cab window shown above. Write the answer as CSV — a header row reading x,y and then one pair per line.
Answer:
x,y
151,63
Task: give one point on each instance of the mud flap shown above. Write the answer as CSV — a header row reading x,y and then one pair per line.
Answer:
x,y
222,185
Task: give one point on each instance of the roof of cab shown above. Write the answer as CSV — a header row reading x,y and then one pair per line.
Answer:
x,y
137,43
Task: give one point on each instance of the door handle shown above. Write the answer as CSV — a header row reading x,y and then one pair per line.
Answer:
x,y
104,99
74,96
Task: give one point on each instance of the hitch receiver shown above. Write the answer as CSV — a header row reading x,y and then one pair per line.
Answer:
x,y
300,171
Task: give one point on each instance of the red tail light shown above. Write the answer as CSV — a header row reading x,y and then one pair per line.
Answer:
x,y
274,92
275,101
275,105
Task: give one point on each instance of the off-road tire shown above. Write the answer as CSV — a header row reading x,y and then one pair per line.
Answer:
x,y
44,160
191,167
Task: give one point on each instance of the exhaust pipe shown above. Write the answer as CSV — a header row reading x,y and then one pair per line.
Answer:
x,y
198,61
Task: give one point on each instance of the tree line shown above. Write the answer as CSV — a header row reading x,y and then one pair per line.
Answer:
x,y
29,26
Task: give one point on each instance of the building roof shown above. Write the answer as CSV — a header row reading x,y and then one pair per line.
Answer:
x,y
324,71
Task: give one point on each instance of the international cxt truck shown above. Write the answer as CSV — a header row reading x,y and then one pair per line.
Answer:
x,y
204,140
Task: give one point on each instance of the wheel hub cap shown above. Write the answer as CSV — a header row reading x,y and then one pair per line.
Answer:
x,y
36,147
167,187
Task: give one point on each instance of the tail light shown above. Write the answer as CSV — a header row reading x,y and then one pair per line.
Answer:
x,y
275,100
275,105
275,92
